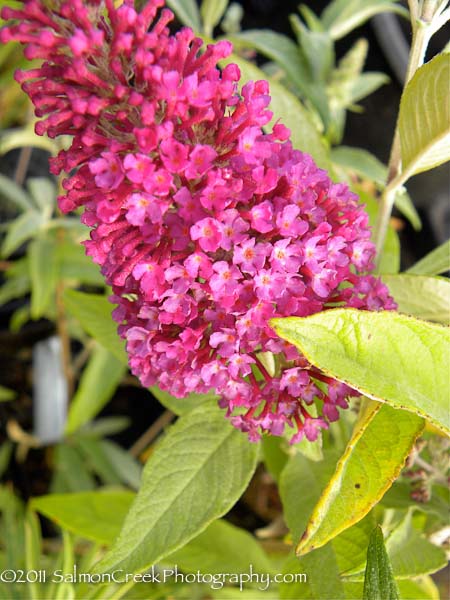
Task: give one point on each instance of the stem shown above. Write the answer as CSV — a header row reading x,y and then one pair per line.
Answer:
x,y
421,36
152,432
22,165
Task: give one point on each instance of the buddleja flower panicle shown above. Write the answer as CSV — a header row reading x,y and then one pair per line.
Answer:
x,y
205,226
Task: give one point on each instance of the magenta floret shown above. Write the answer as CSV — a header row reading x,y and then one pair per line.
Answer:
x,y
204,226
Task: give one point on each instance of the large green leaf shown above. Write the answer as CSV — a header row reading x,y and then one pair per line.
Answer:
x,y
385,355
187,12
222,548
95,515
43,267
195,475
424,118
379,583
434,263
372,460
94,314
91,397
341,16
290,110
424,297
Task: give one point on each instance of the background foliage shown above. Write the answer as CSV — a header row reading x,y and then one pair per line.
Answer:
x,y
346,510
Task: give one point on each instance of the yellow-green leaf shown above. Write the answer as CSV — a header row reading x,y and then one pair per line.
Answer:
x,y
372,460
385,355
424,118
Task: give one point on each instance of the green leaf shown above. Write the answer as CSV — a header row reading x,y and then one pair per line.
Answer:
x,y
91,397
301,483
404,204
74,264
66,590
32,552
20,230
390,257
321,577
10,191
187,12
43,265
211,12
425,142
14,287
361,162
222,548
182,491
378,354
23,138
287,55
43,192
181,406
92,453
422,587
424,297
105,426
399,497
70,469
317,47
126,466
6,449
6,395
434,263
341,16
94,315
276,47
365,84
289,109
96,516
411,554
379,583
372,460
275,455
351,545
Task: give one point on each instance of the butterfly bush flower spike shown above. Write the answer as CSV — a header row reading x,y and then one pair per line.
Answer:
x,y
205,226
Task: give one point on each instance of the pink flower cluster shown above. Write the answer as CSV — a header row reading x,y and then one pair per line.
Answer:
x,y
204,226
